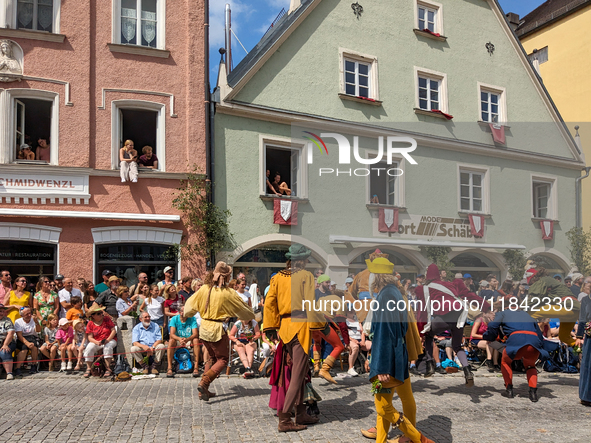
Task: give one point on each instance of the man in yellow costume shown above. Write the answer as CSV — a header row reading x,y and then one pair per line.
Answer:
x,y
215,302
289,310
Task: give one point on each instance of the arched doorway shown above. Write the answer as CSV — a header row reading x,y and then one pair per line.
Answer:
x,y
551,265
402,264
477,265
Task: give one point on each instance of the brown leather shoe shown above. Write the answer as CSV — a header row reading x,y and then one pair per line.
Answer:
x,y
302,417
286,425
203,387
370,433
326,367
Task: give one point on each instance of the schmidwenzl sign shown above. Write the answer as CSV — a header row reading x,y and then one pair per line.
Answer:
x,y
26,184
438,228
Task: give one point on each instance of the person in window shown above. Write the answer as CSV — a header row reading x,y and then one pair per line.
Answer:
x,y
128,165
42,152
270,187
27,153
149,159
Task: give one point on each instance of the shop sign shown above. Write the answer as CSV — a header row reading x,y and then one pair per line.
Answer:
x,y
44,186
437,228
26,252
137,253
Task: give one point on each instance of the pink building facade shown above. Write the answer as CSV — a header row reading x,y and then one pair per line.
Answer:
x,y
82,77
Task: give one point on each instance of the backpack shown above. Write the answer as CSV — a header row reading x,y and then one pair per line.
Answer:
x,y
183,358
121,366
562,358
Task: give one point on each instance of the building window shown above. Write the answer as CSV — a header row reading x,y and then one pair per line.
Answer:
x,y
139,22
357,78
541,198
144,124
38,15
492,103
284,167
384,184
471,191
429,93
541,55
429,16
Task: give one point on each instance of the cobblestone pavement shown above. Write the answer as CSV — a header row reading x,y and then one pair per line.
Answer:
x,y
67,408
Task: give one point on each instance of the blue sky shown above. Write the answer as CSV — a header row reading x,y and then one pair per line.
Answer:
x,y
251,18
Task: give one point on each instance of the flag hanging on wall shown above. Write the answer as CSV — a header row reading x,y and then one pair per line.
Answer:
x,y
498,133
388,220
476,225
547,229
285,212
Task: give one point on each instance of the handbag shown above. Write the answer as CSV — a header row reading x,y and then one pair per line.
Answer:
x,y
258,315
121,366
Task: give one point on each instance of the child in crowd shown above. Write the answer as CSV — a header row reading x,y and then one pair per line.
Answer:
x,y
50,347
79,344
65,337
75,312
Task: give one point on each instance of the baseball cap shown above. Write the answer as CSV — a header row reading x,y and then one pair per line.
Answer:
x,y
64,321
483,284
467,276
107,272
25,146
348,280
577,276
332,282
421,276
168,268
568,277
557,275
458,275
323,278
59,277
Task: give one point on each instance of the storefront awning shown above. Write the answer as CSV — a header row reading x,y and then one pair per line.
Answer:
x,y
341,239
87,214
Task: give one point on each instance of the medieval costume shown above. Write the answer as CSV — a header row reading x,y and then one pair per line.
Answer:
x,y
359,289
544,293
524,342
584,331
286,312
436,313
389,358
215,302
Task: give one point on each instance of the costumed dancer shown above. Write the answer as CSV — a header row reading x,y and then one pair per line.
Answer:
x,y
216,302
442,295
389,358
359,289
584,340
545,291
414,348
324,297
524,342
286,312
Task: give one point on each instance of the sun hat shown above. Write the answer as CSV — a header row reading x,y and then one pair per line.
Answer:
x,y
112,278
64,321
380,265
222,273
348,280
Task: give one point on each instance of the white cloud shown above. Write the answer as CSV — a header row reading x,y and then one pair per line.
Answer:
x,y
217,19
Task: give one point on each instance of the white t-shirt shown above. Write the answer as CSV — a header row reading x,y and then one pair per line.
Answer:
x,y
66,296
245,296
354,329
155,309
25,328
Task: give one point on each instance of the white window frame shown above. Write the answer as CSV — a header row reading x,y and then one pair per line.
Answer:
x,y
552,211
475,169
7,106
354,56
502,93
435,6
269,141
400,197
432,75
8,12
140,105
160,25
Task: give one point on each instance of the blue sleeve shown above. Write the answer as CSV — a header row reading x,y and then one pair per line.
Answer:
x,y
135,335
158,334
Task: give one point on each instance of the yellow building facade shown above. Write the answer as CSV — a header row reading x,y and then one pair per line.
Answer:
x,y
558,32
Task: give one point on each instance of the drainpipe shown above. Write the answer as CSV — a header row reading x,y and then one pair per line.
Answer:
x,y
578,196
208,106
228,39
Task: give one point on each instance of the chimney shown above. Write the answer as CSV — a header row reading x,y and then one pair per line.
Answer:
x,y
513,20
228,39
295,4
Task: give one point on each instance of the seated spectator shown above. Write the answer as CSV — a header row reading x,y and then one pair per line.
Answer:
x,y
89,295
243,293
50,347
43,149
125,305
149,159
357,341
172,302
244,335
154,305
184,287
65,337
27,153
101,336
79,344
66,295
146,340
479,327
185,332
142,292
45,301
75,311
7,344
108,299
27,332
128,162
196,284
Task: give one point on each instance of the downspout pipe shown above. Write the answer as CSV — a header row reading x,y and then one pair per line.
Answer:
x,y
578,180
207,109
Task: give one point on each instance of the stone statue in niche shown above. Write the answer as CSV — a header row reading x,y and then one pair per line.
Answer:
x,y
10,68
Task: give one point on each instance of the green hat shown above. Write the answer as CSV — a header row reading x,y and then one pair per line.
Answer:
x,y
298,252
323,278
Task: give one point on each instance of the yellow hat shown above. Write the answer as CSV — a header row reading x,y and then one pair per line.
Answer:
x,y
380,265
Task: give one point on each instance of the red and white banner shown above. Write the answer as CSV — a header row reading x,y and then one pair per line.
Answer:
x,y
476,225
285,212
498,133
547,229
388,220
